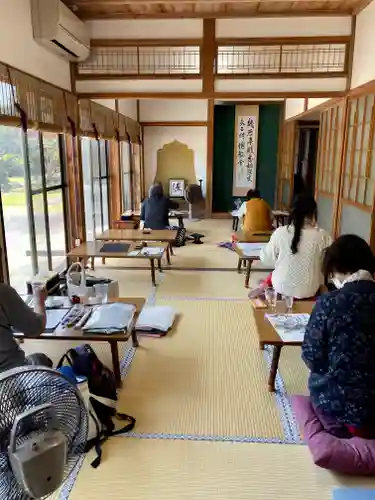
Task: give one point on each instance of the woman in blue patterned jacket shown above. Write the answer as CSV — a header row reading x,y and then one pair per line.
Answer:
x,y
339,343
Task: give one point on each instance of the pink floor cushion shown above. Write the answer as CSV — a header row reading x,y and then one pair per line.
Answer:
x,y
355,456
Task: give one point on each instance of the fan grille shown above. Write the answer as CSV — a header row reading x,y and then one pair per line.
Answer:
x,y
25,388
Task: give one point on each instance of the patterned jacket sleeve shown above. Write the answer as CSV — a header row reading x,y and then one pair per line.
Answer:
x,y
270,252
314,348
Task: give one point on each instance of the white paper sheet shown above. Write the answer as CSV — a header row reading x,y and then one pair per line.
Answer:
x,y
289,327
152,251
251,249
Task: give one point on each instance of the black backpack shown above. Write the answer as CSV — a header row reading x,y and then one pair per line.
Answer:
x,y
103,396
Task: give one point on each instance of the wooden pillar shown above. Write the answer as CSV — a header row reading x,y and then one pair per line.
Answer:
x,y
208,56
208,60
115,181
210,156
76,205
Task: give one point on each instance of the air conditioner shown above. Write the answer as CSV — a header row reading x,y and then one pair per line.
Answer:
x,y
58,29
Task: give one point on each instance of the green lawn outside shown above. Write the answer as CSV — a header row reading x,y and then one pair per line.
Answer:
x,y
18,199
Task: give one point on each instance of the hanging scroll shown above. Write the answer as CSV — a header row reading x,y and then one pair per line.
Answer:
x,y
245,153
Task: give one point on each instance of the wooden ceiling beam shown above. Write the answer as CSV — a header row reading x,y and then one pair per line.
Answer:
x,y
108,3
115,15
209,95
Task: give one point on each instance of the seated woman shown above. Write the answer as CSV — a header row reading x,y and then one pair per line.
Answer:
x,y
296,251
155,209
255,214
339,343
14,313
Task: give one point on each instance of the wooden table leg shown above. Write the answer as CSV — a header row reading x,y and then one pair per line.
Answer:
x,y
248,270
168,254
103,260
239,265
92,263
159,266
274,367
115,362
153,278
171,248
135,338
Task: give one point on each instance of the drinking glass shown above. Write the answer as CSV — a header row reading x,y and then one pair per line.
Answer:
x,y
101,292
271,297
289,303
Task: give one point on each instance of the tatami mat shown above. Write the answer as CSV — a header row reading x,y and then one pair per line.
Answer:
x,y
207,378
132,283
141,469
204,284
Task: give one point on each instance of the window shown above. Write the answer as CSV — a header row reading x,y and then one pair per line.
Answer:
x,y
33,202
126,185
96,186
359,167
137,175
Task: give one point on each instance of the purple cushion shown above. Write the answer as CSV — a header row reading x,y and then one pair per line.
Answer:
x,y
355,456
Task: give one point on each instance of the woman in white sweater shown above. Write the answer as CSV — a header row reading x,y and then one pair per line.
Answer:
x,y
296,252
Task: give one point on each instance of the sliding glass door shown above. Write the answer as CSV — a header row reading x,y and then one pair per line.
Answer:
x,y
96,186
33,202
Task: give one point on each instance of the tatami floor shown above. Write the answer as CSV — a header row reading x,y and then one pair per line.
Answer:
x,y
206,426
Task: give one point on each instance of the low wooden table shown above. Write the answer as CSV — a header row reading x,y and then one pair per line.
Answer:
x,y
164,235
268,336
247,259
243,237
113,340
91,249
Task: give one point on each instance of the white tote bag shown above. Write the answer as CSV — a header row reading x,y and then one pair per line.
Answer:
x,y
76,281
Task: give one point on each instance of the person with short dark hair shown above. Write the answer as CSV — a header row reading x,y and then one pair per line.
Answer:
x,y
255,213
339,343
155,209
295,251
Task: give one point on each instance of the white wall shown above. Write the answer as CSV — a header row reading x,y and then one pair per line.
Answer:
x,y
18,48
147,28
283,27
363,68
155,138
128,107
138,86
281,85
108,103
311,103
294,107
164,110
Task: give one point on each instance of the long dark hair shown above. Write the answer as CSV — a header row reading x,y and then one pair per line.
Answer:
x,y
304,207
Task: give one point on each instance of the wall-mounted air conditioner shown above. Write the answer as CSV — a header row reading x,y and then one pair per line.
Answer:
x,y
58,29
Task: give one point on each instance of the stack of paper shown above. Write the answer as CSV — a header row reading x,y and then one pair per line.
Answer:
x,y
156,319
110,318
289,327
251,249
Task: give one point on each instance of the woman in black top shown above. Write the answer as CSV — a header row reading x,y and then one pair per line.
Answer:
x,y
155,209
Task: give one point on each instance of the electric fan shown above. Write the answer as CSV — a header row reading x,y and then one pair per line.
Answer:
x,y
43,431
194,196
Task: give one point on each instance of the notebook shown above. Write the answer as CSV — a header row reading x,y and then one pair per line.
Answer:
x,y
115,247
353,494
